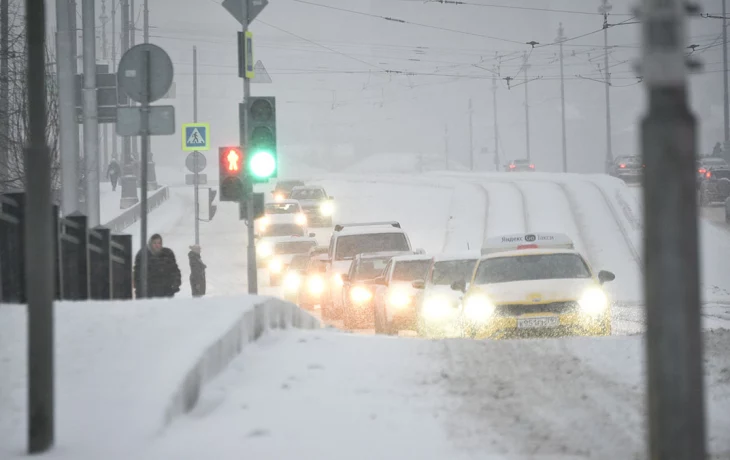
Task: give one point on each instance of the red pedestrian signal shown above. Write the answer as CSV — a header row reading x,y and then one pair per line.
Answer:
x,y
230,164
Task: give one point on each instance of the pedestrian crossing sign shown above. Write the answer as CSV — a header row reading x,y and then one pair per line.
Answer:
x,y
196,137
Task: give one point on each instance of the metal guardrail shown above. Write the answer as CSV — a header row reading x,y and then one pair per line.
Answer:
x,y
134,213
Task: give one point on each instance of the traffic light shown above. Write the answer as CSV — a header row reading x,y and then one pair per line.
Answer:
x,y
262,161
231,164
258,207
211,207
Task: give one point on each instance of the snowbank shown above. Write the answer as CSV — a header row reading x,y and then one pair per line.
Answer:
x,y
124,370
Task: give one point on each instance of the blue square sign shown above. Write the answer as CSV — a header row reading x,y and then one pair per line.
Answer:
x,y
196,137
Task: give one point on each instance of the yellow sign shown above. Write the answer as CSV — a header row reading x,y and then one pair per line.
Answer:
x,y
248,40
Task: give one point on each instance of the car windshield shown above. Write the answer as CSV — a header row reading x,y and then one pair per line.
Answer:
x,y
284,230
299,262
448,271
713,162
521,162
410,270
287,185
282,208
349,246
294,247
531,267
308,194
367,269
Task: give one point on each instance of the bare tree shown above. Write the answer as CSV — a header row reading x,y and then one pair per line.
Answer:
x,y
13,176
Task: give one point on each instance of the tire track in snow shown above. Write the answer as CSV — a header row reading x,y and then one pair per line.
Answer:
x,y
507,212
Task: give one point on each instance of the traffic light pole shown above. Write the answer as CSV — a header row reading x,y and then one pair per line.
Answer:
x,y
675,398
196,188
248,181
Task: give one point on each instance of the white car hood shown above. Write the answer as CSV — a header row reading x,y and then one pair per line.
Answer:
x,y
442,292
282,218
537,291
341,266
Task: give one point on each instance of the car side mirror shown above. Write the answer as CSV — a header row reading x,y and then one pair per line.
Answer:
x,y
459,286
605,276
312,235
419,284
331,198
345,277
381,281
323,268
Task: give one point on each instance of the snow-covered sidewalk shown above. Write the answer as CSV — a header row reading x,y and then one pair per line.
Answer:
x,y
109,201
123,369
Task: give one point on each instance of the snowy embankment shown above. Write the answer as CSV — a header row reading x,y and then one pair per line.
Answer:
x,y
319,394
125,370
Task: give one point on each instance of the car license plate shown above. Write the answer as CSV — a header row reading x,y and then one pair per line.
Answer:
x,y
534,323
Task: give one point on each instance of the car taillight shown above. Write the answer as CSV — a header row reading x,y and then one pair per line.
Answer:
x,y
622,166
511,166
708,174
532,166
702,170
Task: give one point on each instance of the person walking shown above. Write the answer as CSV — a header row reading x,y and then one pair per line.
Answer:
x,y
113,172
197,271
163,274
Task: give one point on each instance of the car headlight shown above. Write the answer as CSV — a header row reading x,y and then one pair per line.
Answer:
x,y
399,299
275,266
337,280
327,208
265,249
593,301
478,308
436,308
315,285
278,197
292,282
301,219
359,294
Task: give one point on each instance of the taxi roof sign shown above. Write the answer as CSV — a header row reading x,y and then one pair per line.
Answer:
x,y
527,240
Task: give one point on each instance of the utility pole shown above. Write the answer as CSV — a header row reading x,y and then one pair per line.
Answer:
x,y
605,8
151,174
132,41
248,182
68,136
525,66
471,137
561,39
196,192
39,232
104,131
446,146
496,130
129,178
674,387
114,70
726,105
91,121
4,91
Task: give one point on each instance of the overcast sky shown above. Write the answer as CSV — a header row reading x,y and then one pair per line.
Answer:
x,y
348,81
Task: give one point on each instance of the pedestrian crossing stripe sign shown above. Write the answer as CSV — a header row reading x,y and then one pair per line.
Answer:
x,y
196,137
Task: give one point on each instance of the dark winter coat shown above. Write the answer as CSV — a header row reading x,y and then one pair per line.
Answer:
x,y
114,170
163,274
197,274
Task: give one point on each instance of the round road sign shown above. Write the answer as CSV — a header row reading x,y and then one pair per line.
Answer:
x,y
195,162
131,72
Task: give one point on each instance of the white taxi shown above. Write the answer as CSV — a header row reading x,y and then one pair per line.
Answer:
x,y
534,285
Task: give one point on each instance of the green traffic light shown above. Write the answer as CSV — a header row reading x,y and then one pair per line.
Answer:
x,y
262,164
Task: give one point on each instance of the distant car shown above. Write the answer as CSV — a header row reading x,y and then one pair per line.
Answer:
x,y
283,251
282,212
715,185
706,162
293,277
275,232
317,205
628,168
395,295
313,285
520,166
283,188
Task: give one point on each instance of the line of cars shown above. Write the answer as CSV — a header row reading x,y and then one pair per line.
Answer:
x,y
517,285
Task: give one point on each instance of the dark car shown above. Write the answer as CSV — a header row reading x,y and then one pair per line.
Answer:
x,y
520,166
629,168
704,163
714,187
283,188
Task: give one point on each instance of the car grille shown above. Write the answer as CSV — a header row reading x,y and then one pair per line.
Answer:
x,y
521,309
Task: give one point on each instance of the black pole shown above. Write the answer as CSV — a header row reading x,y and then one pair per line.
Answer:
x,y
39,260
